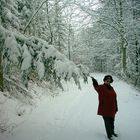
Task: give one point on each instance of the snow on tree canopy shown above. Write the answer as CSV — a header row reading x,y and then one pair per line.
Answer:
x,y
53,52
62,65
65,69
42,56
11,48
83,69
26,63
8,14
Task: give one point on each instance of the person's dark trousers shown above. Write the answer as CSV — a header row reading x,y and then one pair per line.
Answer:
x,y
109,126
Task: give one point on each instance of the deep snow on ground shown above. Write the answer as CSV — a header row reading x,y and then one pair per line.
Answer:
x,y
72,115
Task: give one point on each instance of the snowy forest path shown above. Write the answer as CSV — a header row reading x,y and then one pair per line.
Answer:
x,y
72,115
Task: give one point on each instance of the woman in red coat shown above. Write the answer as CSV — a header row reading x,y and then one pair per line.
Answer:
x,y
107,104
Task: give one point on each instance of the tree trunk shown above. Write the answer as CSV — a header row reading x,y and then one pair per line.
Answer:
x,y
34,14
135,16
49,23
123,43
1,68
137,56
69,53
123,56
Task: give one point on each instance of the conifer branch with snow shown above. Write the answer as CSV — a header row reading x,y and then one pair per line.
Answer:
x,y
34,53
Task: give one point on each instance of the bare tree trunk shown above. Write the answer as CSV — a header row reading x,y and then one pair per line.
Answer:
x,y
135,16
34,15
1,68
137,56
123,43
69,54
49,23
123,55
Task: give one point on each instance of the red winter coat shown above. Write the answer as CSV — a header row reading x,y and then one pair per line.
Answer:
x,y
107,100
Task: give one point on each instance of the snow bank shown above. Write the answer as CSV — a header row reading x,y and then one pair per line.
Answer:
x,y
12,112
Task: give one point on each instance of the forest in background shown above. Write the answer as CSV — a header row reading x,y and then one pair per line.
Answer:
x,y
111,42
58,39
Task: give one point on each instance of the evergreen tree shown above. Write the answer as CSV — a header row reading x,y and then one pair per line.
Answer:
x,y
9,16
23,56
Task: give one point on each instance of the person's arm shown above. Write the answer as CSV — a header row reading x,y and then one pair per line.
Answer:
x,y
95,83
116,109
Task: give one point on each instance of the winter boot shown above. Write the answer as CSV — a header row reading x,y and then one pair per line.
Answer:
x,y
115,135
110,138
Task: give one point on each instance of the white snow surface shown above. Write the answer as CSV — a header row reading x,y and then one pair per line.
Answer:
x,y
72,115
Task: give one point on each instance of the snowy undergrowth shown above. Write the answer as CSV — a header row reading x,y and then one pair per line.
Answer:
x,y
72,115
15,108
11,111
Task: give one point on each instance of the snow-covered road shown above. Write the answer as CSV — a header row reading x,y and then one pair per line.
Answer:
x,y
72,115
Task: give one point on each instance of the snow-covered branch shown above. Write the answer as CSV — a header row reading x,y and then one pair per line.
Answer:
x,y
46,59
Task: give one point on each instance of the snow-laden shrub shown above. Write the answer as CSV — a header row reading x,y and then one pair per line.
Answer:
x,y
11,49
27,58
36,56
40,67
84,72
